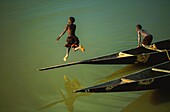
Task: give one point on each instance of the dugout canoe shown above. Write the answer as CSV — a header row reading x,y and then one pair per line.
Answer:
x,y
133,56
154,77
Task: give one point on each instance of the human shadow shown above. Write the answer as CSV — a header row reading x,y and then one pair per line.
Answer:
x,y
70,98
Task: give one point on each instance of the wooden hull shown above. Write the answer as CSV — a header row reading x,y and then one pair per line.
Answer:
x,y
143,80
133,56
149,58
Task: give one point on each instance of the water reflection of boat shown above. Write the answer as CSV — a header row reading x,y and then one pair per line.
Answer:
x,y
71,97
157,53
153,77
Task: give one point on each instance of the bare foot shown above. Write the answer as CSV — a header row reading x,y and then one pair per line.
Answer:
x,y
65,58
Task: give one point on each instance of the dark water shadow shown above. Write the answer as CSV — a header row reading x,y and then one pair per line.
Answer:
x,y
157,100
160,96
70,97
151,101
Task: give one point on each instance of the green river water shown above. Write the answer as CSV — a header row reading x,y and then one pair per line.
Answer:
x,y
28,29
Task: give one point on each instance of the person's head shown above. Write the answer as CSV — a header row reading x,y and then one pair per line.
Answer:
x,y
71,20
138,27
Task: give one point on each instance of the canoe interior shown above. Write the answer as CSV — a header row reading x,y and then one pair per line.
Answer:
x,y
162,45
149,73
145,76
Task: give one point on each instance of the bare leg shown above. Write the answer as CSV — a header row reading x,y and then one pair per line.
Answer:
x,y
80,47
67,54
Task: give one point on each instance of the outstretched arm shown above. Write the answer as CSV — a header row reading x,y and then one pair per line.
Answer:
x,y
62,33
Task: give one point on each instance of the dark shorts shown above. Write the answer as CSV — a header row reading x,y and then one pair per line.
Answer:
x,y
147,40
72,41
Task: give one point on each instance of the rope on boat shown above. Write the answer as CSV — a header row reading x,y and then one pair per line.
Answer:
x,y
161,70
125,80
121,54
167,54
153,47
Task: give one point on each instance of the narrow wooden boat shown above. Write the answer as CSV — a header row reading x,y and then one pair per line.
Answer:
x,y
154,77
155,54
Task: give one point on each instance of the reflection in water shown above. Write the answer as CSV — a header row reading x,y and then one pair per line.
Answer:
x,y
70,86
123,71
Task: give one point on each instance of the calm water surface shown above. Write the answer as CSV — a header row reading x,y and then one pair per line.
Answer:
x,y
28,29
